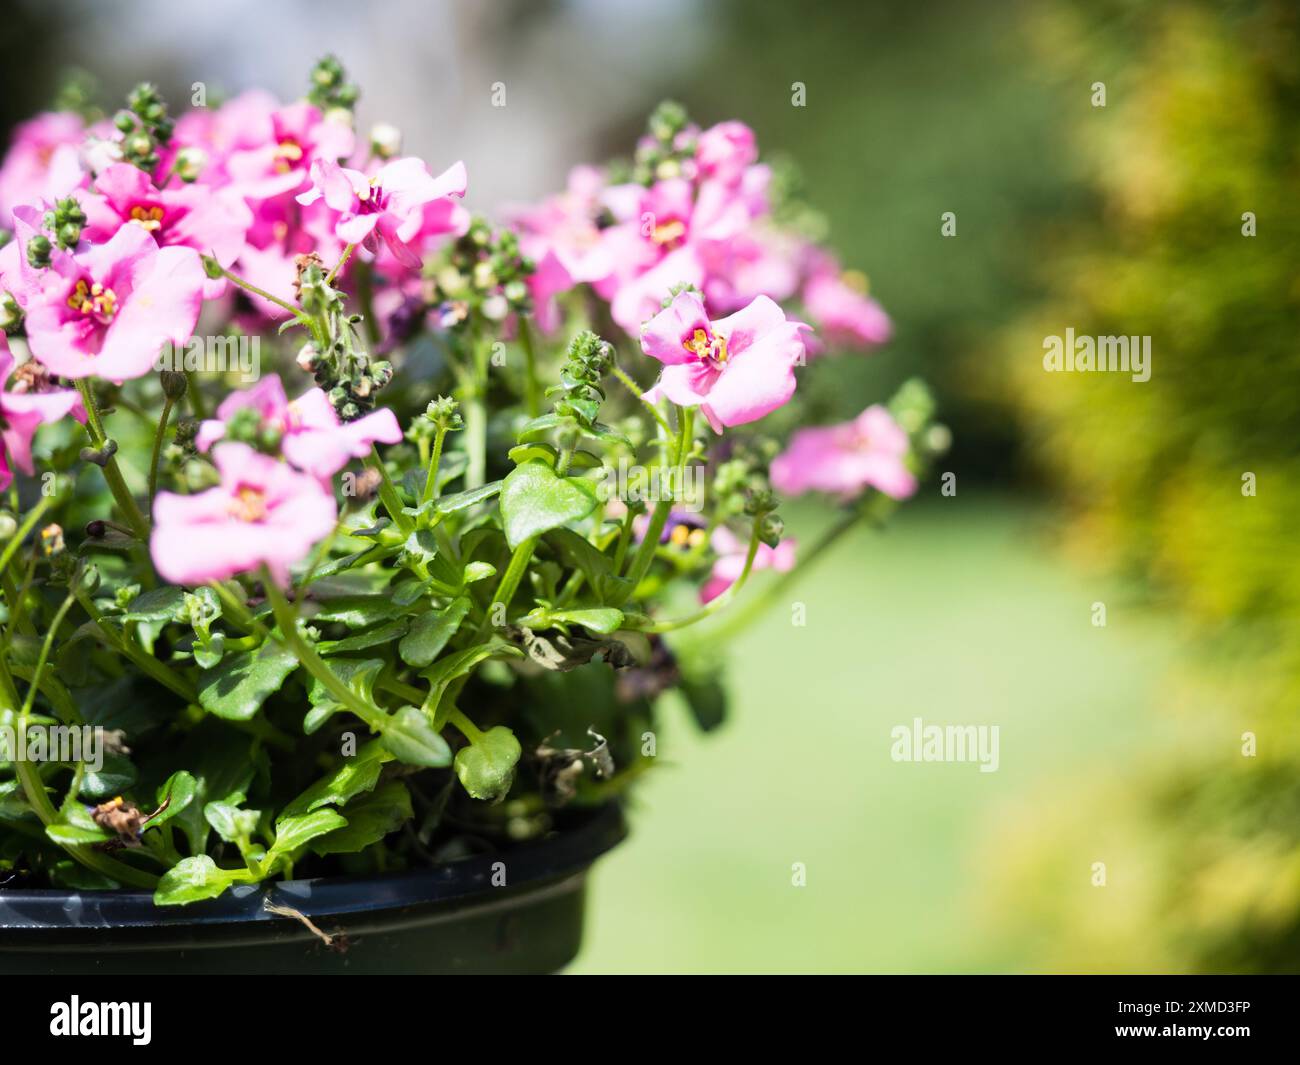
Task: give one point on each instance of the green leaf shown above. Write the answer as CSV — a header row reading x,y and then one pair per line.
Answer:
x,y
463,500
232,823
157,604
445,670
601,620
539,427
386,633
536,499
369,819
74,835
238,687
299,830
411,738
358,611
115,776
357,673
180,788
487,768
478,571
430,632
527,452
357,775
192,879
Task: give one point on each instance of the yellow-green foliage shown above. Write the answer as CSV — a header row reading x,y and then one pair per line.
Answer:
x,y
1201,124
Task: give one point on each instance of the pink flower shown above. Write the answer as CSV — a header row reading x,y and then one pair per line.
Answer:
x,y
842,309
211,221
284,144
730,564
661,239
311,437
870,451
108,310
262,512
22,411
735,370
43,161
401,202
725,151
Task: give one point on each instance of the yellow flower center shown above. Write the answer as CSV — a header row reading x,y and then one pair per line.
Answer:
x,y
702,346
93,299
149,218
287,153
249,504
669,234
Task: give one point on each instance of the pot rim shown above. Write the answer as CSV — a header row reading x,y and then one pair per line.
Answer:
x,y
559,855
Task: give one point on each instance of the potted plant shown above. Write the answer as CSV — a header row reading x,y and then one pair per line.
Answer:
x,y
349,536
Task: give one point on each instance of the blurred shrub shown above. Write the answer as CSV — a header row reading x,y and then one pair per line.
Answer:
x,y
1202,124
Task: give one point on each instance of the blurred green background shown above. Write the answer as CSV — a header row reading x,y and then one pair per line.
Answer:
x,y
1120,745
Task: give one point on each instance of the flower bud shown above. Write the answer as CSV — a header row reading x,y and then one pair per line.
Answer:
x,y
385,140
190,163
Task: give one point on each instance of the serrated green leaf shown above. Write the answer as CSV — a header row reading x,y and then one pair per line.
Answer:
x,y
230,822
238,687
157,604
386,633
536,499
430,632
357,673
178,791
358,611
369,819
299,830
357,775
191,880
115,776
74,835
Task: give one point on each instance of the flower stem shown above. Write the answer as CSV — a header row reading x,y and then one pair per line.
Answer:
x,y
431,479
112,472
388,492
168,402
286,619
343,261
29,523
509,581
716,604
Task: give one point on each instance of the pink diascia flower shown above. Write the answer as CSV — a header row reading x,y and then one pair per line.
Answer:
x,y
735,370
870,451
400,203
732,552
43,161
312,438
108,310
22,411
211,221
278,147
262,512
840,306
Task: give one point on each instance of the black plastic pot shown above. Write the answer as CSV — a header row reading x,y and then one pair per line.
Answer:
x,y
444,919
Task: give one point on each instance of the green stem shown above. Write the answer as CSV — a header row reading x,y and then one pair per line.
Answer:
x,y
716,604
159,671
248,286
467,727
29,523
44,656
756,607
509,581
635,389
388,492
287,620
343,261
112,472
168,402
431,479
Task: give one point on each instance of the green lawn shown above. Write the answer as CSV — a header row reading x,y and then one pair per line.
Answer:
x,y
959,613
